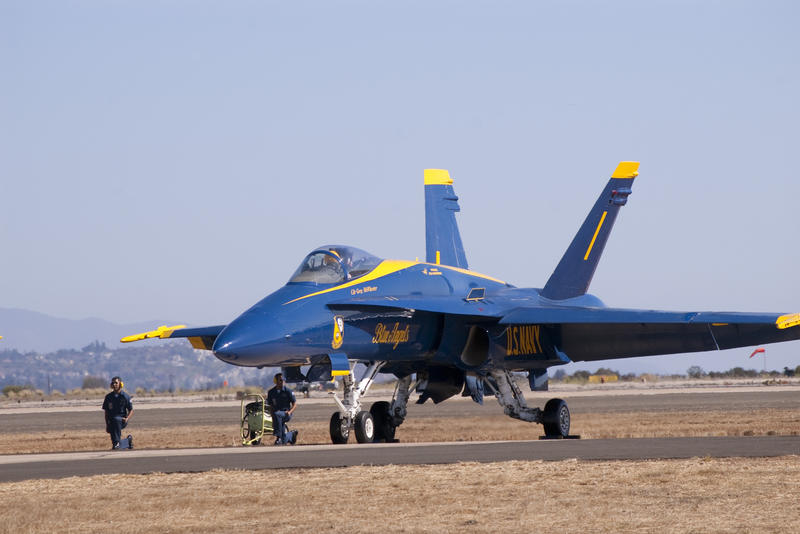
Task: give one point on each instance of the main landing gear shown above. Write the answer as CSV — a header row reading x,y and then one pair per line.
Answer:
x,y
554,417
381,421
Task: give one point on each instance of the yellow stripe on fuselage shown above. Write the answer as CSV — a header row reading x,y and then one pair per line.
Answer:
x,y
387,267
384,268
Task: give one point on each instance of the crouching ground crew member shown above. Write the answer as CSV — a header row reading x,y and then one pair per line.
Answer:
x,y
119,409
282,401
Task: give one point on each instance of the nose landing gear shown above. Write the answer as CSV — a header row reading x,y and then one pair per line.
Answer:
x,y
350,415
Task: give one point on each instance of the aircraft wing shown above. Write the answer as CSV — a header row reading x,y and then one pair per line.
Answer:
x,y
200,338
606,333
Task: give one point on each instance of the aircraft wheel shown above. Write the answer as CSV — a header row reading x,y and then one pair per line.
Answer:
x,y
556,418
388,432
365,427
340,430
384,429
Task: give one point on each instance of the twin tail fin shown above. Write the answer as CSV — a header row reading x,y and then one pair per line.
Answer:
x,y
442,238
574,272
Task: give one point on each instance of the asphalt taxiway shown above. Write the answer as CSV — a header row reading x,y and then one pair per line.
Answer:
x,y
192,414
48,466
155,415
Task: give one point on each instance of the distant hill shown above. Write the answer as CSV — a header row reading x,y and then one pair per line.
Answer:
x,y
158,365
27,331
50,353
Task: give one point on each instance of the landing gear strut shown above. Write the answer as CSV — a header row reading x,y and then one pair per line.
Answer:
x,y
554,417
350,414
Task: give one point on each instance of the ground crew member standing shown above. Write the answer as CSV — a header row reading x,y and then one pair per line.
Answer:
x,y
281,400
119,409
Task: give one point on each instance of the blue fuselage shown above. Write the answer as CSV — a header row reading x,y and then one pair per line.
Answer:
x,y
383,317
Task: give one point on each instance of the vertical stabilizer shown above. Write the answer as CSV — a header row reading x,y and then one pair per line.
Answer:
x,y
442,240
575,270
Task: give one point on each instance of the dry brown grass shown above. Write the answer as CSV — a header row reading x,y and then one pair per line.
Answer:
x,y
607,425
697,495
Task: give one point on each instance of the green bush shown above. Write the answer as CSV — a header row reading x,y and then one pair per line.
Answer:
x,y
93,382
15,390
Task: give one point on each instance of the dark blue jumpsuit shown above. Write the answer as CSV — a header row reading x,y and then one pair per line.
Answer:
x,y
281,401
117,406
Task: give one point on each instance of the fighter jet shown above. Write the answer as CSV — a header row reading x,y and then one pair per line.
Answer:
x,y
442,330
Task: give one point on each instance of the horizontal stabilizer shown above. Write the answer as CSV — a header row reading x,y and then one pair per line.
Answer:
x,y
574,272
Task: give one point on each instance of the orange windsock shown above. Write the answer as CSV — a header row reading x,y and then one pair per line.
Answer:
x,y
756,352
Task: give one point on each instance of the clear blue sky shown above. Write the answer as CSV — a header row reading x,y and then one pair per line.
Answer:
x,y
177,159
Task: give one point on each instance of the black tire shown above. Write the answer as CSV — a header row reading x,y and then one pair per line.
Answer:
x,y
340,431
388,432
556,419
364,427
384,429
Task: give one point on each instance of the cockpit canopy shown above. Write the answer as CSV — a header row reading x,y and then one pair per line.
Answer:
x,y
334,264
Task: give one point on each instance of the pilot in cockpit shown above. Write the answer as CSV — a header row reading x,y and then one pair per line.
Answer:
x,y
346,260
334,264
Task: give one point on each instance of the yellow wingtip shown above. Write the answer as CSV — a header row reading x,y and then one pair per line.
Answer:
x,y
787,321
626,169
162,332
437,177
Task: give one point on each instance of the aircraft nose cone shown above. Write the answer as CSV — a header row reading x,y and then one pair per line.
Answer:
x,y
246,341
225,348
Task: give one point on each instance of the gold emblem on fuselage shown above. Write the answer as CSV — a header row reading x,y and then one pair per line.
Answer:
x,y
338,332
394,337
523,339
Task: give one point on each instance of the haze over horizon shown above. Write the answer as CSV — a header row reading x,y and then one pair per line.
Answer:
x,y
179,159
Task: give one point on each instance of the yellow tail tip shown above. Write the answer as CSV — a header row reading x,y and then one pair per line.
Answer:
x,y
437,177
626,169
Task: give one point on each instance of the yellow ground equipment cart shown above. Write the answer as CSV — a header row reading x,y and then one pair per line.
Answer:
x,y
256,419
